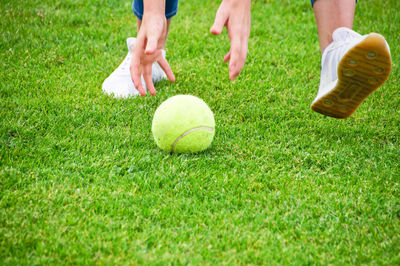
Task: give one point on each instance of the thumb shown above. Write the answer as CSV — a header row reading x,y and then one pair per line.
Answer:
x,y
219,22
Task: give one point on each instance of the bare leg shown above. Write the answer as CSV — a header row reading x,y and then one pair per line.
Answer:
x,y
351,69
330,15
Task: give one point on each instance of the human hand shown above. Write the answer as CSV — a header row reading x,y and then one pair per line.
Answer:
x,y
148,49
235,16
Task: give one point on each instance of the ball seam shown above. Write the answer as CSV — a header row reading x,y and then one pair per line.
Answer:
x,y
188,132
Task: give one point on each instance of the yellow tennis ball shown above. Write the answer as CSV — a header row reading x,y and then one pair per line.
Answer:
x,y
183,124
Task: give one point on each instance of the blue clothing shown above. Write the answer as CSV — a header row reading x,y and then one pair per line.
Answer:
x,y
171,8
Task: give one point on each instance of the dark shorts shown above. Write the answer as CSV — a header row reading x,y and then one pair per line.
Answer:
x,y
171,8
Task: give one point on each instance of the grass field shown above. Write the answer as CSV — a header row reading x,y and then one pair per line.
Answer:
x,y
82,181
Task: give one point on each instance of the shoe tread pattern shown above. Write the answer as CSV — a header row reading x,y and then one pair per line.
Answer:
x,y
362,70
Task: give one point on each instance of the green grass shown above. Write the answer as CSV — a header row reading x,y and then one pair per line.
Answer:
x,y
82,181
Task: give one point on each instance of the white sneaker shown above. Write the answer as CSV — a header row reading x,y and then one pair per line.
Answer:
x,y
352,67
119,83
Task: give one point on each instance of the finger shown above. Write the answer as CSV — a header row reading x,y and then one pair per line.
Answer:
x,y
219,22
242,56
245,50
227,56
136,72
167,69
151,45
140,88
236,67
235,64
148,80
239,49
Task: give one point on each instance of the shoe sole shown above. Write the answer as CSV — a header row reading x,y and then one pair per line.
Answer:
x,y
362,70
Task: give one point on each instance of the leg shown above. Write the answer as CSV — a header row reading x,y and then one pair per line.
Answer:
x,y
330,15
352,66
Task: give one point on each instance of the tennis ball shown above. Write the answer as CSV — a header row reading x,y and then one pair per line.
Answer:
x,y
183,124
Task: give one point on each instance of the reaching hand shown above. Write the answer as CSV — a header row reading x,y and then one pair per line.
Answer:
x,y
147,50
235,16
